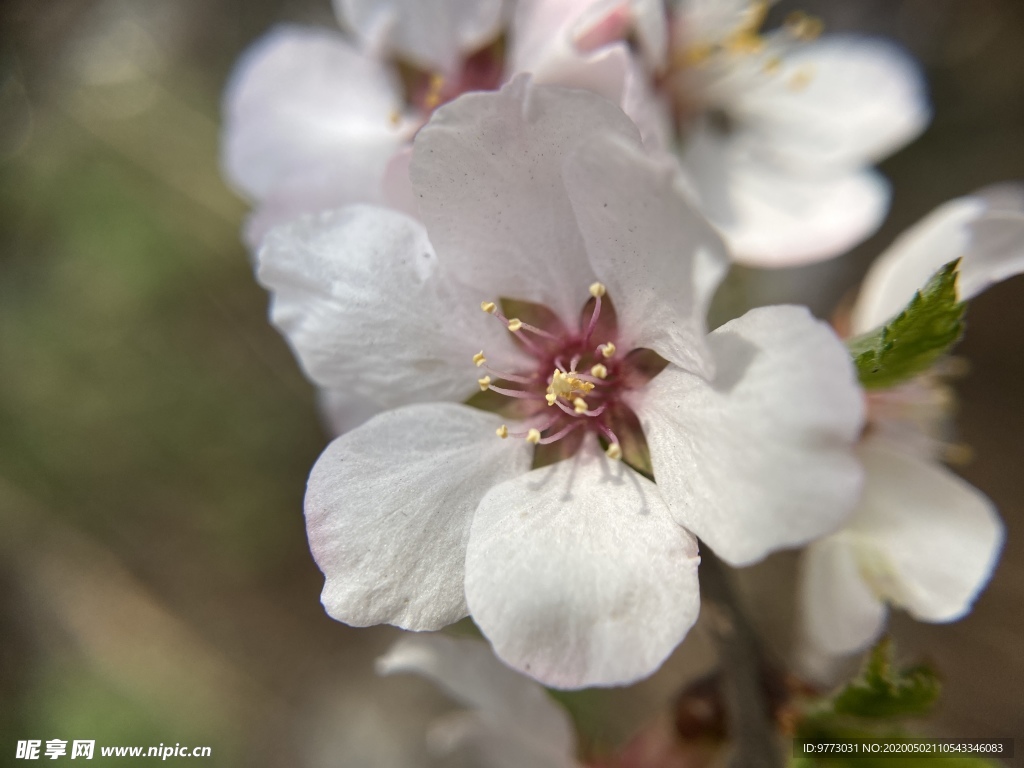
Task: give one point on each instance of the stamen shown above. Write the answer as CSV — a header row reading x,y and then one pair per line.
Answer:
x,y
502,431
533,436
515,324
612,440
596,313
613,451
803,26
433,96
579,405
599,371
484,383
488,306
479,359
606,350
511,376
510,392
561,433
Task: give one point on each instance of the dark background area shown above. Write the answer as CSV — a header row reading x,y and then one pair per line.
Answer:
x,y
156,434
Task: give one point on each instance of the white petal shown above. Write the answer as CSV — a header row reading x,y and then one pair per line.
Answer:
x,y
660,259
433,34
772,218
858,101
760,458
839,612
342,411
985,229
360,297
929,540
488,173
484,743
468,670
389,507
301,99
577,574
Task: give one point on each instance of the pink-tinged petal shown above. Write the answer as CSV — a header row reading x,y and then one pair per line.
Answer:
x,y
839,612
660,259
389,507
759,458
359,295
836,104
985,230
433,34
301,99
772,218
487,171
577,574
928,541
503,701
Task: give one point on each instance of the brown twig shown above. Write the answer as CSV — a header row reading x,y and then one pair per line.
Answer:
x,y
748,710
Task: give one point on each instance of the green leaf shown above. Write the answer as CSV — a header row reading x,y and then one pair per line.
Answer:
x,y
913,340
883,692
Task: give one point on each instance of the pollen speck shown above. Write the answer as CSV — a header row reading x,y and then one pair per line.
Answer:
x,y
488,307
533,436
484,383
479,359
598,289
502,431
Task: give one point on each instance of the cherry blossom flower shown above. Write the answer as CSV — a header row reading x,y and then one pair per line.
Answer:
x,y
509,720
921,539
584,571
776,129
313,120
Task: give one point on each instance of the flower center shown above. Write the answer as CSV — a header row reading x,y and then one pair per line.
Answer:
x,y
703,74
575,382
481,71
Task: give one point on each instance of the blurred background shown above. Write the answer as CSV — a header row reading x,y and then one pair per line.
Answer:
x,y
155,433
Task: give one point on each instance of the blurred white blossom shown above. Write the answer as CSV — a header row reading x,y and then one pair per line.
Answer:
x,y
775,131
582,572
921,539
509,721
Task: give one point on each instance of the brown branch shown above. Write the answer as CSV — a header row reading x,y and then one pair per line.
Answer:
x,y
755,743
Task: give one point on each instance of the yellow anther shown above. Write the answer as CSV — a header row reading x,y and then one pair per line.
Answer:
x,y
566,385
804,26
607,350
515,324
599,371
434,88
484,383
479,359
501,431
488,307
598,289
613,451
579,405
533,436
801,79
